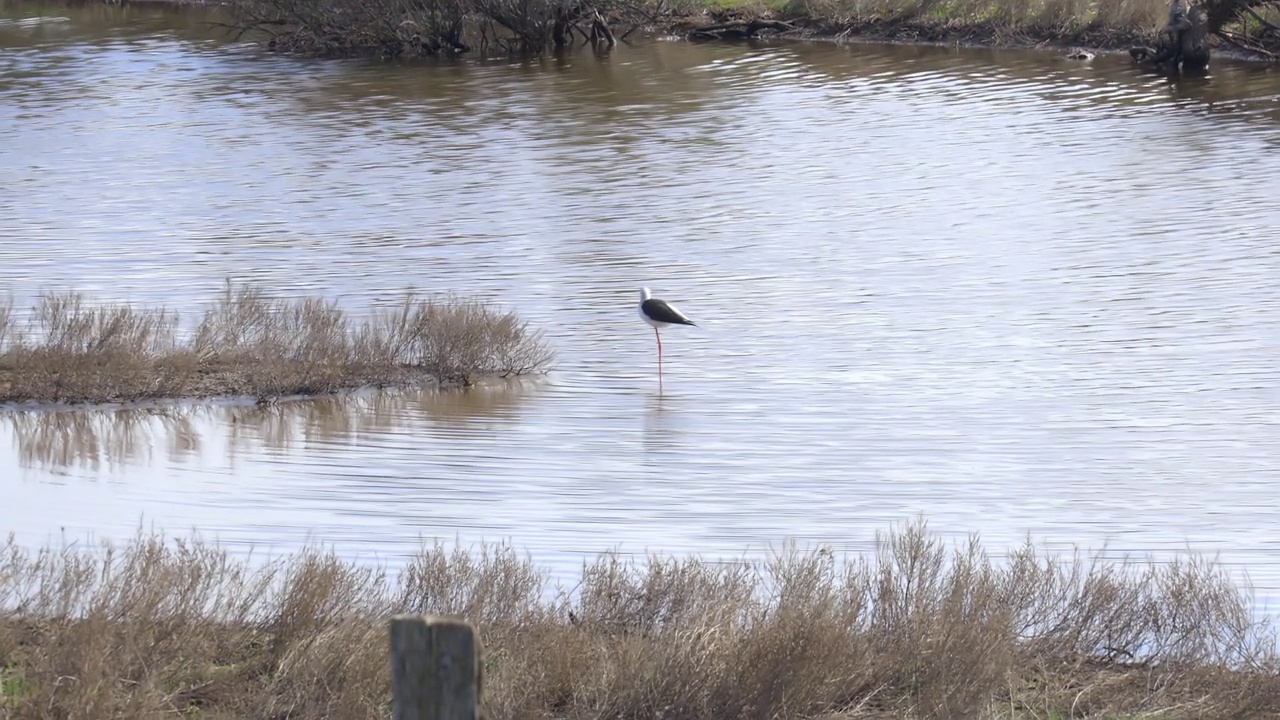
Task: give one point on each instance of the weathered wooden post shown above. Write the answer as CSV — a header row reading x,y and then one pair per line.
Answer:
x,y
435,668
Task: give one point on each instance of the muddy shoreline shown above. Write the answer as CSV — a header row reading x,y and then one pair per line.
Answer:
x,y
218,393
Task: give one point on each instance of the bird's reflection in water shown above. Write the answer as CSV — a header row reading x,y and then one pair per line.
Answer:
x,y
478,407
664,420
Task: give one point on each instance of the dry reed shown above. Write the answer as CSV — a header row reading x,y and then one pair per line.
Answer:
x,y
247,343
915,630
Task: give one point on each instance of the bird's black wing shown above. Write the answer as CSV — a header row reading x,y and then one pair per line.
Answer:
x,y
660,311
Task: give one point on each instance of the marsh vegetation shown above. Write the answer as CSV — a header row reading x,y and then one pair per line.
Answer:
x,y
917,628
247,343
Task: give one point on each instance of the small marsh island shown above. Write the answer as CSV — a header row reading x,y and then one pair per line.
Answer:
x,y
71,350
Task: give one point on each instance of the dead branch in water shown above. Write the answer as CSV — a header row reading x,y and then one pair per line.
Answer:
x,y
600,31
739,29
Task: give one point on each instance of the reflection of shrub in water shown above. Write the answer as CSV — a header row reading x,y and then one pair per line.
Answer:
x,y
249,344
913,630
91,437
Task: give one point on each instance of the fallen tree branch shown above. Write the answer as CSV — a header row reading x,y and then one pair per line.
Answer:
x,y
754,25
738,29
1245,43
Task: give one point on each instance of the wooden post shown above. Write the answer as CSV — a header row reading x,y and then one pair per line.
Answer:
x,y
435,668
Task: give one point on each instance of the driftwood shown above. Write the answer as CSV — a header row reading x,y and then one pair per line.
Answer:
x,y
738,29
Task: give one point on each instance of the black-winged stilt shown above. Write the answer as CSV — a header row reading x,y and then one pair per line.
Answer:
x,y
660,314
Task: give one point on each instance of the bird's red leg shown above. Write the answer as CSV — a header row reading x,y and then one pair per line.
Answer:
x,y
659,337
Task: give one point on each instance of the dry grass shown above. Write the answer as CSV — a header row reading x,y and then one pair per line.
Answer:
x,y
1104,23
917,630
250,344
1242,25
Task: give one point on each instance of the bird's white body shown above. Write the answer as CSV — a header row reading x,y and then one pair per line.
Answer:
x,y
655,323
659,314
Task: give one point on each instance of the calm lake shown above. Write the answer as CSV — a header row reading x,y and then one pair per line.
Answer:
x,y
1010,292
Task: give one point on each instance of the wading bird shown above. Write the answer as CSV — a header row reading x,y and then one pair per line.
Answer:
x,y
660,314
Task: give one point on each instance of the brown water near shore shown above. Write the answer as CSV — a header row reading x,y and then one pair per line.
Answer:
x,y
1011,292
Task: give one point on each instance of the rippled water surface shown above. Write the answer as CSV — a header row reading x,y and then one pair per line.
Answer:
x,y
1011,292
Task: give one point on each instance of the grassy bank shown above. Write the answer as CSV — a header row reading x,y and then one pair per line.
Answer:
x,y
998,23
249,344
393,28
915,630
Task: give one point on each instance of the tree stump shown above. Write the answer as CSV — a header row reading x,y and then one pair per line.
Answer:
x,y
1183,45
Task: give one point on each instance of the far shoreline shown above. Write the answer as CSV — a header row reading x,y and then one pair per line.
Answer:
x,y
981,35
1047,45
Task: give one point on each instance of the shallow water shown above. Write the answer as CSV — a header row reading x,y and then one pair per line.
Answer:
x,y
1010,292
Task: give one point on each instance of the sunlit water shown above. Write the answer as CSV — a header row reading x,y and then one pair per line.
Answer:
x,y
1013,293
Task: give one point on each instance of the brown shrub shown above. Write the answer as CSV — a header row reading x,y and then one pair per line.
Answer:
x,y
916,630
415,28
75,352
247,343
395,28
